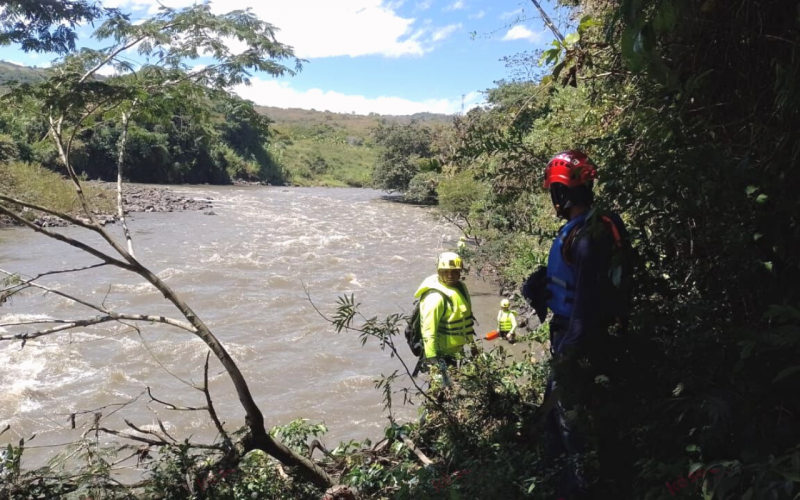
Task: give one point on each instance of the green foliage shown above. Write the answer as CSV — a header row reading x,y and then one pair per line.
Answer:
x,y
407,148
295,434
460,194
31,24
486,422
37,185
8,148
422,187
179,119
652,90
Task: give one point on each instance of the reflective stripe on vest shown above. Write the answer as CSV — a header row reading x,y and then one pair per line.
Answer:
x,y
560,274
455,328
504,322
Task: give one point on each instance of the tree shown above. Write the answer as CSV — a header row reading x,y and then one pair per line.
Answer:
x,y
29,23
407,151
74,100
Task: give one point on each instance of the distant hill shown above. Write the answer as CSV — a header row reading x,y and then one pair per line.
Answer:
x,y
331,149
290,116
21,74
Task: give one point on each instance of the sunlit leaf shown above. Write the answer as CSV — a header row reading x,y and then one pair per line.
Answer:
x,y
571,39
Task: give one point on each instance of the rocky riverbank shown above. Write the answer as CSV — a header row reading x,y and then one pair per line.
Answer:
x,y
136,198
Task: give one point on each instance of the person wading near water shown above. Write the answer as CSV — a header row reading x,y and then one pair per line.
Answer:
x,y
446,320
506,321
462,244
577,286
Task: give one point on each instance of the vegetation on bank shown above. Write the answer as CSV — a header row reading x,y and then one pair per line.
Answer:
x,y
211,141
321,148
35,184
696,154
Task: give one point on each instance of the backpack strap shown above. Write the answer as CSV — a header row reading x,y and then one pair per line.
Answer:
x,y
614,230
447,301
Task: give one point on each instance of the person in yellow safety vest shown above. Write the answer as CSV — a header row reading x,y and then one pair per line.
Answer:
x,y
506,321
446,320
462,244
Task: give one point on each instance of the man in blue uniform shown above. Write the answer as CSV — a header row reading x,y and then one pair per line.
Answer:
x,y
577,286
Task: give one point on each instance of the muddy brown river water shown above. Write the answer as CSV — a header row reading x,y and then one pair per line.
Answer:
x,y
243,271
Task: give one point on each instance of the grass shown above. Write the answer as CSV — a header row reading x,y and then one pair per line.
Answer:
x,y
40,186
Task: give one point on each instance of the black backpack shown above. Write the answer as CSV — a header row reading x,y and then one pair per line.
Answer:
x,y
619,282
413,330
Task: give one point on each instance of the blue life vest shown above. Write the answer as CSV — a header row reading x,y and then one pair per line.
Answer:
x,y
560,274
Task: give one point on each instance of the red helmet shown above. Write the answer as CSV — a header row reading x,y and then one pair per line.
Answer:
x,y
571,168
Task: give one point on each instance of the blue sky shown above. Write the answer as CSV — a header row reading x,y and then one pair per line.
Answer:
x,y
383,56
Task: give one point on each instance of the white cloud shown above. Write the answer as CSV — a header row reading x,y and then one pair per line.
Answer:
x,y
443,33
281,94
14,62
479,15
510,14
107,70
424,5
321,28
457,5
520,32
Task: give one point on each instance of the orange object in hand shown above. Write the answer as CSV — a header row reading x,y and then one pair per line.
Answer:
x,y
492,335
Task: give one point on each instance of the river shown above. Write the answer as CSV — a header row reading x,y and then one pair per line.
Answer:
x,y
243,271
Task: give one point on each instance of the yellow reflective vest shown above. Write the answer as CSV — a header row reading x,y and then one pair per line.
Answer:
x,y
446,324
506,321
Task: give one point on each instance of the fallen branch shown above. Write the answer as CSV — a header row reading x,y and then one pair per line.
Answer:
x,y
411,446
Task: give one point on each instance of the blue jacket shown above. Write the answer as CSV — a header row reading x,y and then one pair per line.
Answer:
x,y
576,277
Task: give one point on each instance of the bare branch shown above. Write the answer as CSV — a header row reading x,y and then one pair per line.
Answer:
x,y
70,241
61,271
143,431
210,406
112,316
171,406
97,410
164,430
158,361
411,446
159,442
111,56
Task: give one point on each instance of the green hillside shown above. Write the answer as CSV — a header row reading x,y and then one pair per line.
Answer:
x,y
10,72
322,148
314,148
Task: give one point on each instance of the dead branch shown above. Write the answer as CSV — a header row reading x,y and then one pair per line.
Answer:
x,y
159,442
210,406
50,273
164,430
72,220
171,406
259,437
152,433
95,411
316,445
78,323
60,237
411,446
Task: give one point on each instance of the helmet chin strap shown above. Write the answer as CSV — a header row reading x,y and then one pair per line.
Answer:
x,y
561,201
